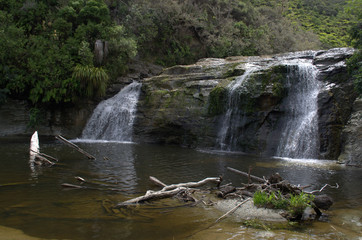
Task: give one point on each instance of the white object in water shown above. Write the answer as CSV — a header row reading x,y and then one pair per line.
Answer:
x,y
34,146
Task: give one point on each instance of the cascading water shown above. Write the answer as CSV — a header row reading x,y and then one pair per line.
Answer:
x,y
234,117
299,136
113,118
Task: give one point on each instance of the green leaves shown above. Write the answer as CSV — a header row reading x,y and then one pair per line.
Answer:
x,y
295,205
93,80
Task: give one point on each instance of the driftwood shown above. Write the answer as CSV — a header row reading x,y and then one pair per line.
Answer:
x,y
276,185
157,182
35,154
320,190
216,180
231,210
222,217
48,156
62,139
255,178
167,191
34,147
74,186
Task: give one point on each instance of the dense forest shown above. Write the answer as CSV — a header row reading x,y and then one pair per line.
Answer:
x,y
62,51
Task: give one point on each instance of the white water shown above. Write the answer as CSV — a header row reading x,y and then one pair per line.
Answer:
x,y
113,118
233,118
299,138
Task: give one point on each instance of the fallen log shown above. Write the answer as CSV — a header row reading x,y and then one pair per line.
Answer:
x,y
255,178
167,191
157,182
48,156
62,139
231,210
36,154
150,195
216,180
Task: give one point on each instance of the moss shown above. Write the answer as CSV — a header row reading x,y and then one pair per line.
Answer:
x,y
233,71
217,101
275,78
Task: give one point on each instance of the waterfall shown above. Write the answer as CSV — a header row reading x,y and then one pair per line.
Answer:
x,y
113,118
299,132
234,118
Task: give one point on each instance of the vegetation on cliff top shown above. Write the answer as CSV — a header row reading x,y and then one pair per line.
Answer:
x,y
44,45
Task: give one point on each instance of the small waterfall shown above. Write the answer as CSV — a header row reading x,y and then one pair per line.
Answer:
x,y
299,138
113,118
234,118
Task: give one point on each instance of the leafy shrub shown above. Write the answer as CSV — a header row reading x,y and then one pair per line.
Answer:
x,y
93,80
295,205
298,203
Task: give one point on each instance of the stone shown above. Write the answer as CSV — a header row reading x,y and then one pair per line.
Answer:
x,y
248,211
323,202
352,137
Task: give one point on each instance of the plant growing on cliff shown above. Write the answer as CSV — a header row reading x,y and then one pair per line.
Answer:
x,y
93,80
217,101
355,62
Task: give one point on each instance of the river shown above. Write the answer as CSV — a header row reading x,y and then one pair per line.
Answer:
x,y
34,205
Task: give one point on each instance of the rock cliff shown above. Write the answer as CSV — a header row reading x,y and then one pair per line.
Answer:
x,y
186,105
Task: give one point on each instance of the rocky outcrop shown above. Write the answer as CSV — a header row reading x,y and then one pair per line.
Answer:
x,y
352,137
335,100
185,105
16,119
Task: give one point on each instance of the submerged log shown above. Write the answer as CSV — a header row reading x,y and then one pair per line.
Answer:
x,y
62,139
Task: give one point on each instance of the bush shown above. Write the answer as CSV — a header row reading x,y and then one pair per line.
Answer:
x,y
93,80
298,203
295,205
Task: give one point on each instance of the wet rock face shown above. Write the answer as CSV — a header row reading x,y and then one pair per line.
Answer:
x,y
352,137
335,100
184,105
15,119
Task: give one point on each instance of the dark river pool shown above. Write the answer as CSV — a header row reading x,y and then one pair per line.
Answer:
x,y
34,205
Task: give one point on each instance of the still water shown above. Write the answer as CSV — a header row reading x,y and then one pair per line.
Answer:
x,y
33,205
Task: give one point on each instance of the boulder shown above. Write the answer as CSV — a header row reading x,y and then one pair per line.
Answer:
x,y
323,202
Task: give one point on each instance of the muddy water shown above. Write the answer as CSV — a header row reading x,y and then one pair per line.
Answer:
x,y
33,205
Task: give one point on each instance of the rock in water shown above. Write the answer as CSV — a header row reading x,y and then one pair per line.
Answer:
x,y
323,201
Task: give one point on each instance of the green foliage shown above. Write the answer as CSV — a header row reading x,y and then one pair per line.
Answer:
x,y
35,116
298,203
217,101
3,95
354,65
326,18
93,80
273,200
295,205
260,198
41,43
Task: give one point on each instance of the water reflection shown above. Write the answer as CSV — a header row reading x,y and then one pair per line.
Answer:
x,y
114,163
41,207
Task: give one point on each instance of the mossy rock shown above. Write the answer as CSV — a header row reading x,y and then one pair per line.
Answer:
x,y
217,101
